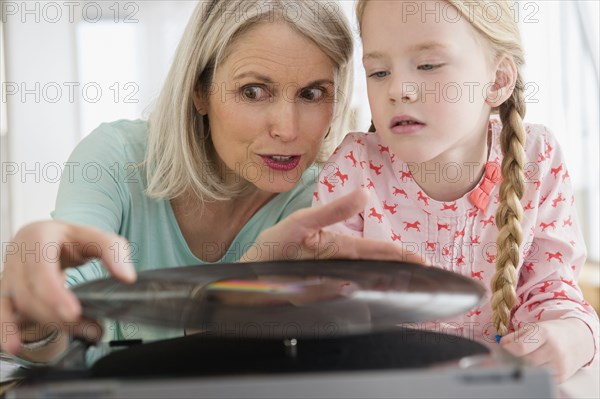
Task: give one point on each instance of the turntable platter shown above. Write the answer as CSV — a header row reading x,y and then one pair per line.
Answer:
x,y
286,299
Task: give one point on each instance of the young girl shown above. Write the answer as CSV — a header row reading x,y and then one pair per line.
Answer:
x,y
490,199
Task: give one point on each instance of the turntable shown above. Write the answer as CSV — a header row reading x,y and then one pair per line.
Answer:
x,y
304,329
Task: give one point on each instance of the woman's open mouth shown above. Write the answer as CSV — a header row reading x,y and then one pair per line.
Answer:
x,y
281,162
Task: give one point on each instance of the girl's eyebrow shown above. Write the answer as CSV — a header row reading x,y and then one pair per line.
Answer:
x,y
373,56
426,46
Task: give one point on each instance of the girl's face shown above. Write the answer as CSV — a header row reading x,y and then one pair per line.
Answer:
x,y
427,79
270,106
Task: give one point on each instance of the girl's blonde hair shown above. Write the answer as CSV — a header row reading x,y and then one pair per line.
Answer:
x,y
180,158
500,32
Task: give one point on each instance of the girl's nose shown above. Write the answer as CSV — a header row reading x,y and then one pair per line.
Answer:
x,y
402,90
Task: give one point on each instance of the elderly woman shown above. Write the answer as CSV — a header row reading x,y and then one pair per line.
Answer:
x,y
257,93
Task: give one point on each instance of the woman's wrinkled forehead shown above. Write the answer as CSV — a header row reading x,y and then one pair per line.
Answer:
x,y
277,50
278,28
239,36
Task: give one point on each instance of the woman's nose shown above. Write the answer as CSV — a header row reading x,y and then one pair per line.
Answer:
x,y
285,125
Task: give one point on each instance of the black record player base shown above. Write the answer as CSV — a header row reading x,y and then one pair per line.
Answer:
x,y
400,364
205,355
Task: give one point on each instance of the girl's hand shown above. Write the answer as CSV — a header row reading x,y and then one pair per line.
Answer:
x,y
33,296
301,236
563,346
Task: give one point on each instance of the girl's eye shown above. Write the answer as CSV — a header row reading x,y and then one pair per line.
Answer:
x,y
254,93
428,67
313,94
379,75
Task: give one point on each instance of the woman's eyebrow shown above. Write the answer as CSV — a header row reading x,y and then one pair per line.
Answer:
x,y
266,79
255,75
320,82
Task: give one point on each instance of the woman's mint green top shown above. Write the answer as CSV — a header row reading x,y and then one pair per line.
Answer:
x,y
103,185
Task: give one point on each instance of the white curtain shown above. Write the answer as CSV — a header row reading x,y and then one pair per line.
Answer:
x,y
561,43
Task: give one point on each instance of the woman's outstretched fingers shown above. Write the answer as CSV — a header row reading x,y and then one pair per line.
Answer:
x,y
307,228
336,211
111,249
74,245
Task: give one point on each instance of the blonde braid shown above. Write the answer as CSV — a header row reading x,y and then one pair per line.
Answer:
x,y
510,211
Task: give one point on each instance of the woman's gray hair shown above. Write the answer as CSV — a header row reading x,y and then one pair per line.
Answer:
x,y
180,157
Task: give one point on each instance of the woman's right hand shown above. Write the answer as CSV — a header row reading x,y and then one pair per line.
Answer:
x,y
32,291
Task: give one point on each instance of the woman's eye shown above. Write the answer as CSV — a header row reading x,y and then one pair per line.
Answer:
x,y
254,93
314,94
379,75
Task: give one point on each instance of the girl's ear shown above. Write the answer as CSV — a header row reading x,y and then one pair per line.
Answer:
x,y
504,83
199,102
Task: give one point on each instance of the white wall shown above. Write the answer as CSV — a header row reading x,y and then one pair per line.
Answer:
x,y
42,129
127,52
68,70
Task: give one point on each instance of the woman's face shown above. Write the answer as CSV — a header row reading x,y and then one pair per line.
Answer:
x,y
269,106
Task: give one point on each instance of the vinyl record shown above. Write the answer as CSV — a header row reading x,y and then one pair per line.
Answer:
x,y
284,299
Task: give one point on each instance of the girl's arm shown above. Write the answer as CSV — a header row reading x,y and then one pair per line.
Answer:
x,y
562,326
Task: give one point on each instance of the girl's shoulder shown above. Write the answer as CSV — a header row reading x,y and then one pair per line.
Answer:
x,y
538,134
540,141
